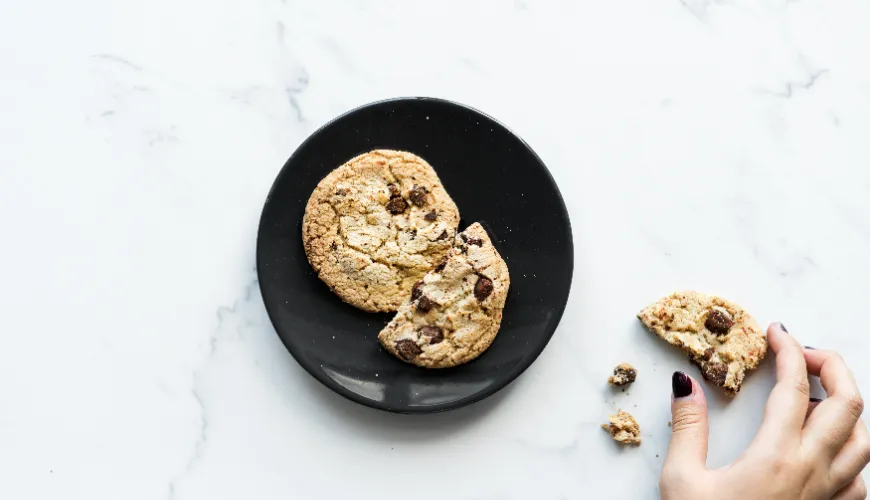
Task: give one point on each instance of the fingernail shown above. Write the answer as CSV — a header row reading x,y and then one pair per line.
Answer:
x,y
810,348
782,327
815,400
681,385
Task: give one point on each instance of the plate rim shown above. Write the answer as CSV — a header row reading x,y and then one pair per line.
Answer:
x,y
441,407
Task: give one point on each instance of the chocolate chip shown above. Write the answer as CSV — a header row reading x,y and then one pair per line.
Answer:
x,y
718,322
442,236
407,349
341,192
417,290
418,196
470,240
705,356
334,246
483,288
425,304
430,216
434,334
413,233
397,205
394,189
716,373
441,265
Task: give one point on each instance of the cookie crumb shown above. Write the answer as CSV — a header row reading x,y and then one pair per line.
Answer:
x,y
623,428
623,374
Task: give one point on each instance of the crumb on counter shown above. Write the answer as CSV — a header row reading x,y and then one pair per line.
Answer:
x,y
623,374
623,428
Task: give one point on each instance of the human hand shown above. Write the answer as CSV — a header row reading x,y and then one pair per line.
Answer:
x,y
804,450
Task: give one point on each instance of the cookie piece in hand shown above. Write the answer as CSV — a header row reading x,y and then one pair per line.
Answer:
x,y
719,336
453,314
623,374
376,225
623,428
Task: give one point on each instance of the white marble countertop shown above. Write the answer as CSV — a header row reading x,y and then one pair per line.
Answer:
x,y
716,145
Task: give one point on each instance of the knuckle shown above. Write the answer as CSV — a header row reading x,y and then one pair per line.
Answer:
x,y
687,417
854,404
802,386
781,464
778,466
864,449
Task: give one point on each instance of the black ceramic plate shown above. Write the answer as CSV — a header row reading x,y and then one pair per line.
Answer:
x,y
495,178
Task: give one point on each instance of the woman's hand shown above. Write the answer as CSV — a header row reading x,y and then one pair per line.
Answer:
x,y
804,450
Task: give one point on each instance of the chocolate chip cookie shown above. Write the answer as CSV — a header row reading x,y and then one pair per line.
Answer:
x,y
376,225
453,313
719,336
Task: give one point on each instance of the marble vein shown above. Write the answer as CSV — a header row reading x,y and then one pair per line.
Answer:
x,y
293,90
117,59
222,314
790,87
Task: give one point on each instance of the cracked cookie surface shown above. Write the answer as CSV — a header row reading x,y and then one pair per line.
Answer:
x,y
719,336
453,314
376,225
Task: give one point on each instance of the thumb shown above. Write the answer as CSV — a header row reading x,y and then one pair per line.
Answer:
x,y
689,427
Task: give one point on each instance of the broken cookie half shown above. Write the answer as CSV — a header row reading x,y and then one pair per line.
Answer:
x,y
719,336
453,314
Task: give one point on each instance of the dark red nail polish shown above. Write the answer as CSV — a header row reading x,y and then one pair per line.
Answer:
x,y
782,327
815,400
681,385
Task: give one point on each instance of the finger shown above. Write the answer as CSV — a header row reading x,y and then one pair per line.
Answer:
x,y
833,420
688,448
854,456
834,374
787,405
812,406
856,490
